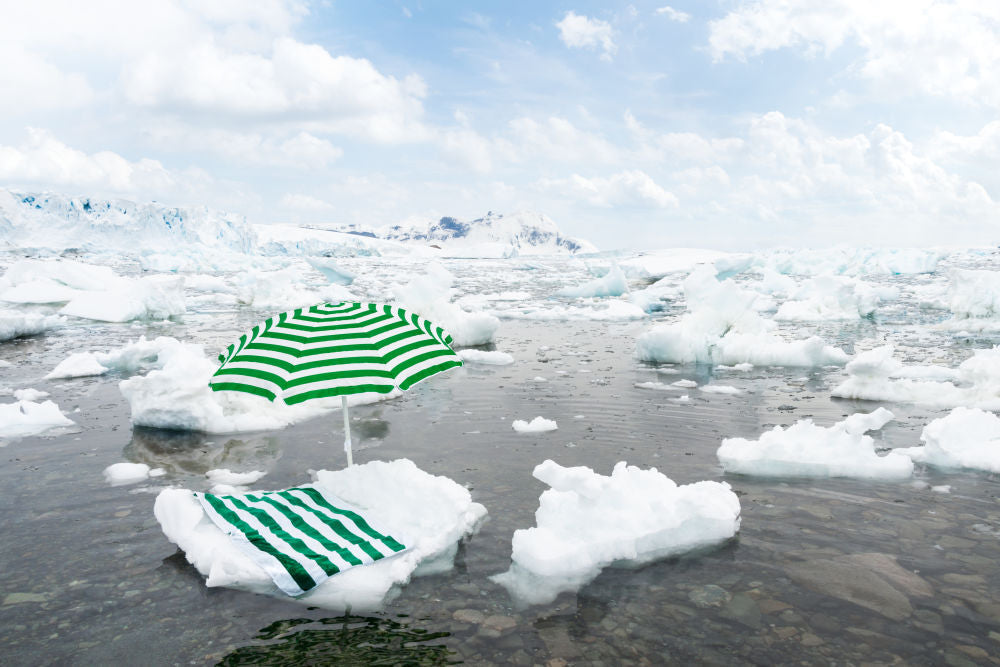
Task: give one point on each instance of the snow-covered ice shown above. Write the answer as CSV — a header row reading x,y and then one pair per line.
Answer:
x,y
429,514
613,283
807,450
24,417
587,521
536,425
491,358
966,438
16,323
722,327
429,295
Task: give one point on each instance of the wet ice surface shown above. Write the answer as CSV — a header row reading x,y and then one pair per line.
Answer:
x,y
822,570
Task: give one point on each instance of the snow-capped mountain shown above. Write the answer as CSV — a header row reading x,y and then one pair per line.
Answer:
x,y
493,235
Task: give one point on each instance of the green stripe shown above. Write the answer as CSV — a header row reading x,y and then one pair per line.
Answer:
x,y
320,500
254,373
298,353
328,392
280,533
336,526
400,369
302,525
427,372
238,386
367,320
294,569
338,375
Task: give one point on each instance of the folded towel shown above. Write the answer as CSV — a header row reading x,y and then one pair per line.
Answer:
x,y
299,536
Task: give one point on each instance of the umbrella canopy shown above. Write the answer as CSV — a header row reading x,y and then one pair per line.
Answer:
x,y
335,350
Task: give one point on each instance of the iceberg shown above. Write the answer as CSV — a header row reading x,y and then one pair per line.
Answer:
x,y
966,438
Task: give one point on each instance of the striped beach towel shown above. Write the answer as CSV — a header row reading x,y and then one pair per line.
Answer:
x,y
299,536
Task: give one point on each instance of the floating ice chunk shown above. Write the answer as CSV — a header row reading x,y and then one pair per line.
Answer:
x,y
24,418
613,283
29,394
68,274
151,298
119,474
834,298
78,364
776,283
5,364
720,389
177,396
536,425
15,323
658,386
430,296
876,376
686,384
539,378
227,476
588,521
429,514
852,261
142,353
656,264
735,367
722,327
944,488
285,289
973,298
807,450
682,399
494,358
331,270
965,438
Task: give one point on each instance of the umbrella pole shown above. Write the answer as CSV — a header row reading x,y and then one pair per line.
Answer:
x,y
347,431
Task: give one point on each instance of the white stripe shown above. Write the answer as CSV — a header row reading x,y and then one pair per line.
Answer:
x,y
248,379
271,565
294,532
327,532
347,521
337,384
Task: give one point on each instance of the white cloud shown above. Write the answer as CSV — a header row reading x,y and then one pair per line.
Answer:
x,y
305,203
948,48
577,31
43,159
557,139
673,14
37,84
633,188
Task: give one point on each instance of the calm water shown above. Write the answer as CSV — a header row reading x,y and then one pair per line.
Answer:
x,y
829,571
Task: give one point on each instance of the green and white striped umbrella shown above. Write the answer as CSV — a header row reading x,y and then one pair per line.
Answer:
x,y
335,350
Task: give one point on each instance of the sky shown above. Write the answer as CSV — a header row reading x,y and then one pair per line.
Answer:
x,y
711,123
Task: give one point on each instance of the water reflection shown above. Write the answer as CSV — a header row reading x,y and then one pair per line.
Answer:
x,y
344,640
197,453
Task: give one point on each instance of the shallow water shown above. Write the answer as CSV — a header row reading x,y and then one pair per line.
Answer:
x,y
822,571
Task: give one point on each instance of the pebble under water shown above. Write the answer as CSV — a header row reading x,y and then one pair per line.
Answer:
x,y
822,571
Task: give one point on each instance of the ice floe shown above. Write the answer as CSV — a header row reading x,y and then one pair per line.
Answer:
x,y
973,297
429,295
536,425
807,450
430,514
23,418
119,474
722,327
491,358
877,376
16,323
130,357
285,289
965,438
834,298
587,521
613,283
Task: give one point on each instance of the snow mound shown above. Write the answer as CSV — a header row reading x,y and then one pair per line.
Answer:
x,y
876,376
613,283
429,296
807,450
587,521
722,327
834,298
494,358
23,418
966,438
429,514
536,425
